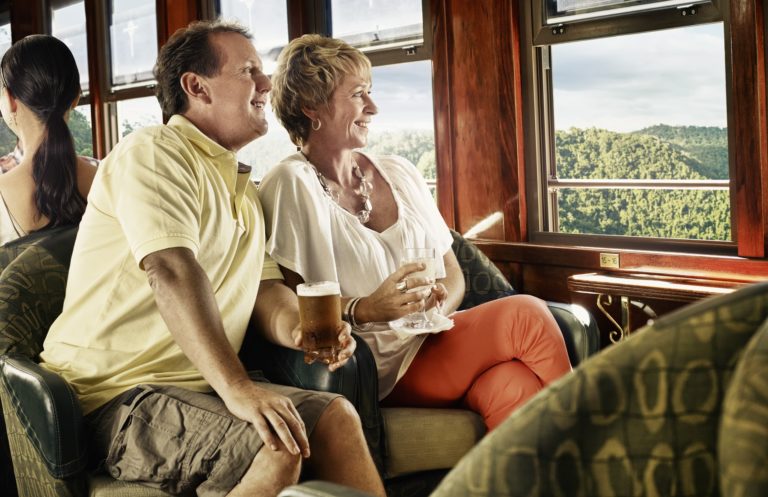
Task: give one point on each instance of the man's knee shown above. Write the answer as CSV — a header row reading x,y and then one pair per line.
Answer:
x,y
339,413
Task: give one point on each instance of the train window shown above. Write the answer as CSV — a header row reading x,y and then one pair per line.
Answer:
x,y
378,25
80,126
404,125
560,11
138,113
7,139
268,23
5,35
67,21
133,40
266,19
627,127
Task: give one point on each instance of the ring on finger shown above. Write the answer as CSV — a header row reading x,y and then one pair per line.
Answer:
x,y
402,286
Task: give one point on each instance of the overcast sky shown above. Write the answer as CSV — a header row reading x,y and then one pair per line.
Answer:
x,y
625,83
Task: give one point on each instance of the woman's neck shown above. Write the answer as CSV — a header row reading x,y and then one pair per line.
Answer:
x,y
335,165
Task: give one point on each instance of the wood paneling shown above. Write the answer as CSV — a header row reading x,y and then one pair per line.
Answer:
x,y
476,114
748,135
95,21
28,17
662,263
173,15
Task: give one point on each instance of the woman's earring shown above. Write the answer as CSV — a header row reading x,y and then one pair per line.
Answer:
x,y
319,125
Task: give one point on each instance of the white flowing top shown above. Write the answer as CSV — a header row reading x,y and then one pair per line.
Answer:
x,y
313,236
9,228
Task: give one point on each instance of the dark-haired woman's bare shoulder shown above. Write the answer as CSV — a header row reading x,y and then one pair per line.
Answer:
x,y
86,170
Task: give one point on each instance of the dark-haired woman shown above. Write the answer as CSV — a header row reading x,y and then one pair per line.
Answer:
x,y
40,85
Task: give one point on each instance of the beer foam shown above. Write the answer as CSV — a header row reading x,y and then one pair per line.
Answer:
x,y
318,289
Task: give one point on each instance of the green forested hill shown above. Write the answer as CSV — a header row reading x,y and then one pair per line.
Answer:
x,y
657,152
708,145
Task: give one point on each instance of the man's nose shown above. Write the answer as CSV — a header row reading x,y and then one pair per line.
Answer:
x,y
263,83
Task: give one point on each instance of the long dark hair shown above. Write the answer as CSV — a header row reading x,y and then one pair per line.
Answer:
x,y
41,72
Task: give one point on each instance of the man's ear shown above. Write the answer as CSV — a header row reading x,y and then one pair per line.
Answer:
x,y
196,87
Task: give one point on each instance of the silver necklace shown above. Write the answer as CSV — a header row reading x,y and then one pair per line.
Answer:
x,y
364,190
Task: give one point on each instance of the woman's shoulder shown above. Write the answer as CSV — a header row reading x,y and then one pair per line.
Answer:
x,y
394,164
292,169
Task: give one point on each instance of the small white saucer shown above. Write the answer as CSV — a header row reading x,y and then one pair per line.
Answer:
x,y
441,323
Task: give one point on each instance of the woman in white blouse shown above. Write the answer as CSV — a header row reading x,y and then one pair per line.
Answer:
x,y
335,213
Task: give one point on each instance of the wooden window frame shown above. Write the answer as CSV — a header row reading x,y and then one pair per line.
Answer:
x,y
746,103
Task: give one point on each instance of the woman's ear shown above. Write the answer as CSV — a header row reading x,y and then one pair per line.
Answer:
x,y
8,95
310,113
195,86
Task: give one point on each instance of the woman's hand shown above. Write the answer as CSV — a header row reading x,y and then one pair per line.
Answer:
x,y
347,344
397,296
437,297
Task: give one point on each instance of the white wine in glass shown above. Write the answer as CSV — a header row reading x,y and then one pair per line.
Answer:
x,y
419,319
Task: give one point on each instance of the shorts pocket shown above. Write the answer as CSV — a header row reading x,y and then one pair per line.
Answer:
x,y
165,442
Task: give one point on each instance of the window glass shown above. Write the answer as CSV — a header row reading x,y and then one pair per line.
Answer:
x,y
576,10
404,124
642,108
5,38
267,20
67,25
133,40
378,23
80,127
7,138
266,151
138,113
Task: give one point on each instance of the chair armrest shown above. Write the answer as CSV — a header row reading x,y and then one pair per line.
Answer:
x,y
321,489
50,413
582,337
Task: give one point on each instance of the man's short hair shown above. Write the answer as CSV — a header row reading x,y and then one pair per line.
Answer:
x,y
309,69
188,50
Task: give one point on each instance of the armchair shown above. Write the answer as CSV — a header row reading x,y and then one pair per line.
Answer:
x,y
679,409
414,447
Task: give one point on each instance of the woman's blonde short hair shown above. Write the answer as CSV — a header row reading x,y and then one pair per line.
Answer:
x,y
309,69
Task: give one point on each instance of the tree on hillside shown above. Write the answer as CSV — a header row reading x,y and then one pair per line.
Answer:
x,y
601,154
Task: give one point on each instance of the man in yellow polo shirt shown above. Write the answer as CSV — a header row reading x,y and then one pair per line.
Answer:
x,y
163,282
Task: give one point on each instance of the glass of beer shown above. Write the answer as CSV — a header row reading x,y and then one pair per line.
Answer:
x,y
419,319
320,315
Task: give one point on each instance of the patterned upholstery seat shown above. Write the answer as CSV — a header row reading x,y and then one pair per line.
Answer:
x,y
663,413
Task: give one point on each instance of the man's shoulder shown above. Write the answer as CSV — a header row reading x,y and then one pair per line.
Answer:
x,y
149,135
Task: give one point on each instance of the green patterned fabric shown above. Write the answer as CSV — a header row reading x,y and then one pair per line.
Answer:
x,y
743,444
484,282
32,283
638,419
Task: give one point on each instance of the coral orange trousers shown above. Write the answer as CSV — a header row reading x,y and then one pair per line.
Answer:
x,y
497,356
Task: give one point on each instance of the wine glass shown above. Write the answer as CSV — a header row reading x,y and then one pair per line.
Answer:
x,y
419,319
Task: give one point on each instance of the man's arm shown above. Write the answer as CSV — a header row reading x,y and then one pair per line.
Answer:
x,y
186,302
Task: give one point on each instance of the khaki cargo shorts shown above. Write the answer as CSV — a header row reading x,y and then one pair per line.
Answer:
x,y
183,441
